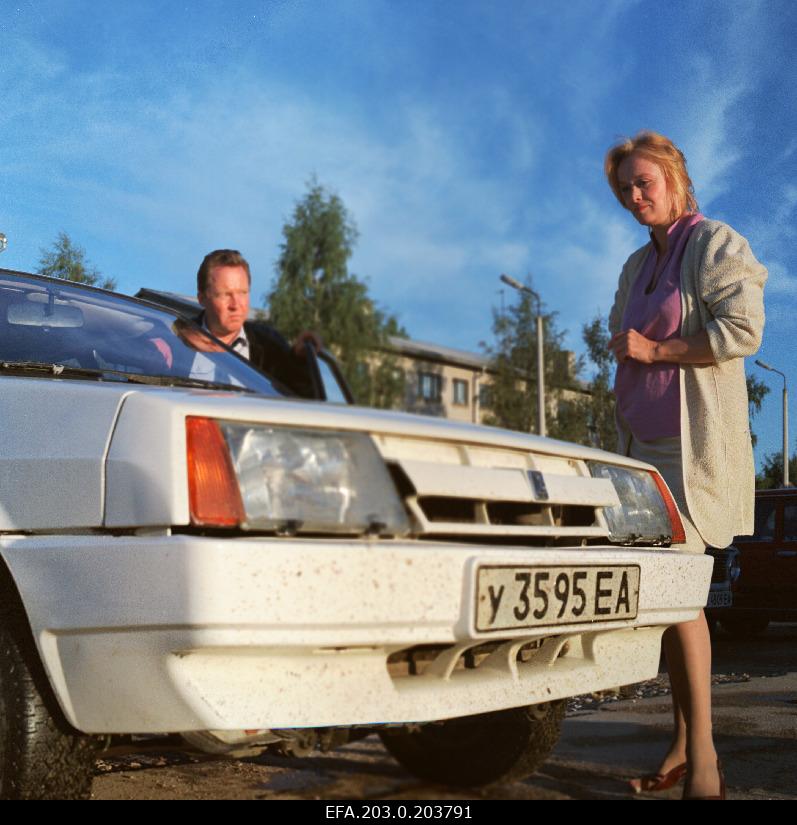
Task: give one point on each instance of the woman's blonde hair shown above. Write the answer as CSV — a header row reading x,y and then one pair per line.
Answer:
x,y
667,156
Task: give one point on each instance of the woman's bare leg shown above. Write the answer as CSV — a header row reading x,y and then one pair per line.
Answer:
x,y
676,754
688,650
687,647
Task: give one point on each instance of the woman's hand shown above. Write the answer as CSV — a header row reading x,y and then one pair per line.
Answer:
x,y
696,349
633,345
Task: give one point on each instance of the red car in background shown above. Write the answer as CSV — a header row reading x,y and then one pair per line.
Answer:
x,y
758,573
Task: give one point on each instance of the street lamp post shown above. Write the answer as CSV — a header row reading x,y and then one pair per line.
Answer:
x,y
3,242
785,422
540,352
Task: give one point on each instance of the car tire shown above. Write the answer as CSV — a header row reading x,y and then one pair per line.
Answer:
x,y
41,756
479,750
744,626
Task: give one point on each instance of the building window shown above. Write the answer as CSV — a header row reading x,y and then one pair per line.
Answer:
x,y
460,392
430,386
485,396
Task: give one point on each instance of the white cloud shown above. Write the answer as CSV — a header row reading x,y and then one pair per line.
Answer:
x,y
781,285
780,226
709,136
164,179
585,260
711,104
774,239
791,148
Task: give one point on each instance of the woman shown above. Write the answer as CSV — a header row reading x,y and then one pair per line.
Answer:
x,y
688,309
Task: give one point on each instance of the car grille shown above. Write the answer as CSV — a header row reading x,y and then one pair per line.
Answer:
x,y
497,495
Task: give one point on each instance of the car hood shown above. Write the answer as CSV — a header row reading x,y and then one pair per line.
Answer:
x,y
84,455
316,414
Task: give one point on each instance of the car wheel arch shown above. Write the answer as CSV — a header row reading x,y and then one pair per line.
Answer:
x,y
41,755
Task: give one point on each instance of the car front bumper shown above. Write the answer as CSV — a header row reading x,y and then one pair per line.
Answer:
x,y
169,633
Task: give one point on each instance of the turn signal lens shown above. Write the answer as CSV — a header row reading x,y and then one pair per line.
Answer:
x,y
678,532
213,493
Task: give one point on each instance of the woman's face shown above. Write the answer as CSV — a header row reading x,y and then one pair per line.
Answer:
x,y
644,191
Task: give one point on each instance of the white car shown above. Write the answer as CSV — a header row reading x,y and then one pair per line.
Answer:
x,y
244,568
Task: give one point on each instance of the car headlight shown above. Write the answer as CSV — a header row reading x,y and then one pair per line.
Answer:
x,y
647,512
268,478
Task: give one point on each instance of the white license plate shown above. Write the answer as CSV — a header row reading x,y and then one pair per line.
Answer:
x,y
719,598
515,597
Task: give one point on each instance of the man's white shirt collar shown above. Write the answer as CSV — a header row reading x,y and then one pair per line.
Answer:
x,y
239,345
205,370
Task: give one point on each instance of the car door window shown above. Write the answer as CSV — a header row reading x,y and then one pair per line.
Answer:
x,y
334,386
764,520
790,522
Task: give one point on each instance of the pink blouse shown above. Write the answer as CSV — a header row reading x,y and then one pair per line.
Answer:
x,y
649,395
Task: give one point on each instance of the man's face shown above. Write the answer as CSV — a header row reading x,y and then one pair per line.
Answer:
x,y
226,301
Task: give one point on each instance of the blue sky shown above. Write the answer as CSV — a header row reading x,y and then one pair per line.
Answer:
x,y
466,138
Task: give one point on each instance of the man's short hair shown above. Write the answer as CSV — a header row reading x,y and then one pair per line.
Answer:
x,y
219,257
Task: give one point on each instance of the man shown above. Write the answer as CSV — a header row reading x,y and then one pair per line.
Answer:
x,y
223,288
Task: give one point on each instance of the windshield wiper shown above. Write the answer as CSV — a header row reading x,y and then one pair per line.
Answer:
x,y
63,371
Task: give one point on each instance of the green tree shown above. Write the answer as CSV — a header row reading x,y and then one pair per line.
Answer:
x,y
599,408
66,260
771,474
513,363
314,289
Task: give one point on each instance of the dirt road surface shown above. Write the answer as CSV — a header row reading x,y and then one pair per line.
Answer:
x,y
602,745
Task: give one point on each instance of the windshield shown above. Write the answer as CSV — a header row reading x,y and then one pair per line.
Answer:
x,y
108,337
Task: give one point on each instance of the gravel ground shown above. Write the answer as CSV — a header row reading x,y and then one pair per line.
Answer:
x,y
660,686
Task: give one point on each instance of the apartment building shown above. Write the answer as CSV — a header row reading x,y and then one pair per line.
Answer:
x,y
442,381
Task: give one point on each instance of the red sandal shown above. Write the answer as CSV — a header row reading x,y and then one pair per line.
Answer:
x,y
655,782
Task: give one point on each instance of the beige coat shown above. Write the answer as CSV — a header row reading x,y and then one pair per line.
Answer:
x,y
722,291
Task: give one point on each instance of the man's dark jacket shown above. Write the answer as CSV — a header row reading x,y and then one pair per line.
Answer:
x,y
272,354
